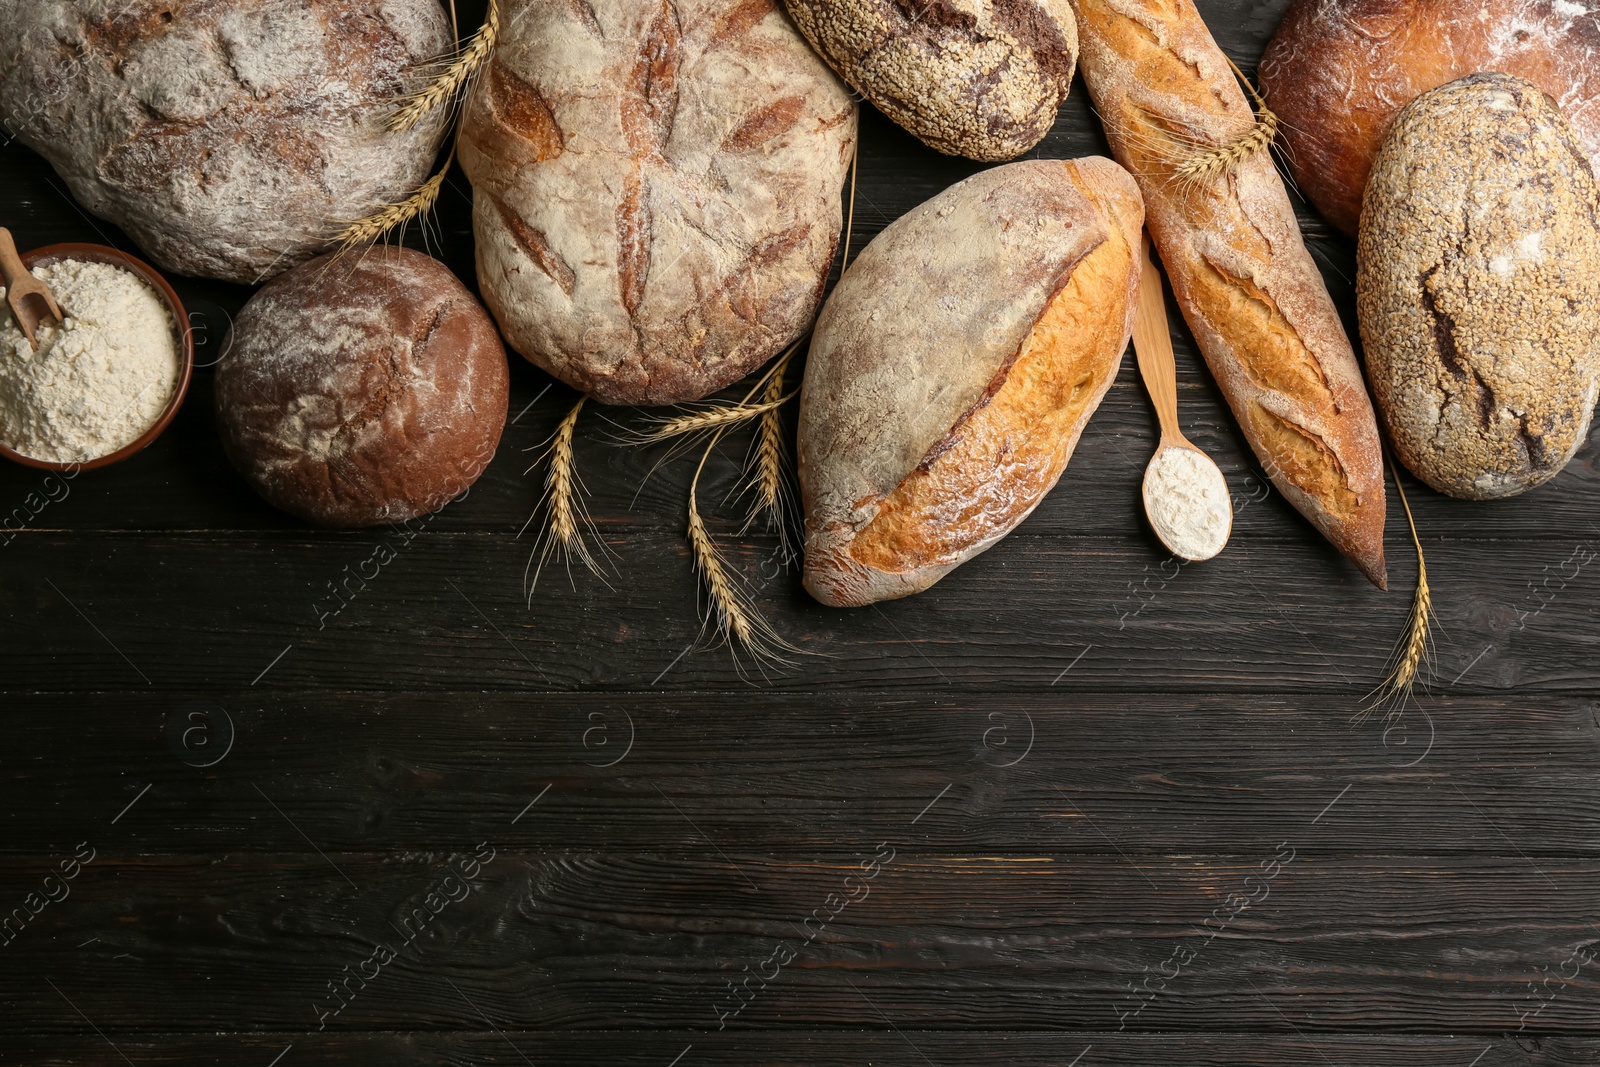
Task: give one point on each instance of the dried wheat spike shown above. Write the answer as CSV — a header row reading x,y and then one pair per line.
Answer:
x,y
719,417
1415,646
448,86
736,619
381,223
566,518
1205,165
768,469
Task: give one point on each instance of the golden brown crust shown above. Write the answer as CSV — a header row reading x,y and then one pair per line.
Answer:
x,y
1338,71
928,432
1238,266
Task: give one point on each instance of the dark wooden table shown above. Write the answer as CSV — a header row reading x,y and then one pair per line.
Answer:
x,y
1012,820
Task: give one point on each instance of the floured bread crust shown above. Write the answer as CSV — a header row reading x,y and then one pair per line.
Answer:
x,y
656,189
362,389
1338,71
954,368
1479,287
231,138
1246,284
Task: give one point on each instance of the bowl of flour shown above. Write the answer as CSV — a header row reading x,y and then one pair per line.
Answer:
x,y
108,380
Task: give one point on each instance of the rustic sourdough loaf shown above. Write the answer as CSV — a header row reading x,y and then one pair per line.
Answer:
x,y
954,367
1479,287
1337,71
656,188
975,78
230,138
1241,273
362,389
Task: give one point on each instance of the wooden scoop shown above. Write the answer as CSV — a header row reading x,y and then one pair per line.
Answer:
x,y
20,285
1152,343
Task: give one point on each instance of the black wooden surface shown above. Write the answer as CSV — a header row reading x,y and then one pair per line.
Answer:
x,y
1076,752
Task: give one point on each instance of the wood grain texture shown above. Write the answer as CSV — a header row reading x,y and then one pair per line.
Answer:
x,y
1185,724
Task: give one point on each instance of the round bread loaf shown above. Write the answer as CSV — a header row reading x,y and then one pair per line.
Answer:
x,y
656,190
362,390
954,367
975,78
230,138
1338,71
1478,287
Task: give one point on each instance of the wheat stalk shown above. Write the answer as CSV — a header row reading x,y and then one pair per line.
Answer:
x,y
767,472
1208,164
736,620
447,87
1412,651
719,417
566,517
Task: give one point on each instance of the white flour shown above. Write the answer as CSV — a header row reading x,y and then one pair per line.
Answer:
x,y
99,381
1187,500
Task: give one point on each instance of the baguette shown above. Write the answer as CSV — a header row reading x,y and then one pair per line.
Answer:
x,y
1239,269
954,367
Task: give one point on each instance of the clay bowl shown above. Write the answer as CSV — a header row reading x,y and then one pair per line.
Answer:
x,y
180,321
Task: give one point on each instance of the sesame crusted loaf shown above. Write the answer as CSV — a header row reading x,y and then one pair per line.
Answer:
x,y
954,367
656,189
1478,287
975,78
230,138
1337,71
1241,273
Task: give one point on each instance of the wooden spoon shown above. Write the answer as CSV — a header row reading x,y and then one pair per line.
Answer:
x,y
21,284
1175,509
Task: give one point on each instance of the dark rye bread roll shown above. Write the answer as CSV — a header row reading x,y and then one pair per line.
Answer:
x,y
1239,268
656,189
362,389
1338,71
975,78
230,138
1478,287
954,367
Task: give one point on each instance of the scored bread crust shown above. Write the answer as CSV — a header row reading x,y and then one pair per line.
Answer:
x,y
1338,71
954,367
656,189
1243,278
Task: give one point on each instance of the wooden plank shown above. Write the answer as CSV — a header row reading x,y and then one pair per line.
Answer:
x,y
1409,944
96,612
813,1048
974,771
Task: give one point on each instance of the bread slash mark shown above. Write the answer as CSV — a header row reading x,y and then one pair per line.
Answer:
x,y
634,232
537,247
520,108
763,124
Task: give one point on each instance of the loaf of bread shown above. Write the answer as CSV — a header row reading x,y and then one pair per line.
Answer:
x,y
231,139
1337,71
975,78
1478,287
1241,273
362,389
954,367
656,190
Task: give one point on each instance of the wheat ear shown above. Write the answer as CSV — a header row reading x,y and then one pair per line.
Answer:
x,y
381,223
1415,646
718,417
736,619
448,85
566,517
1207,165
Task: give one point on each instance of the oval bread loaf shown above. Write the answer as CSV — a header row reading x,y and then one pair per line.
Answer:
x,y
975,78
954,367
1338,71
656,189
1478,287
232,138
